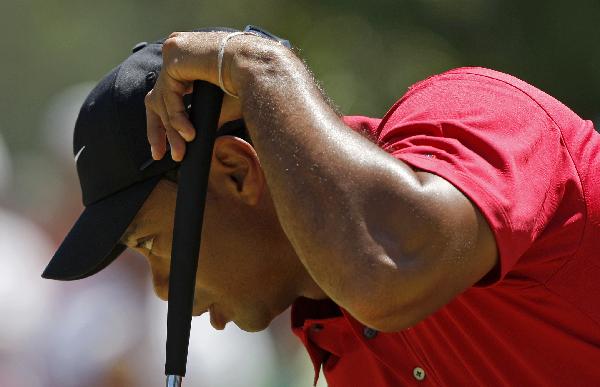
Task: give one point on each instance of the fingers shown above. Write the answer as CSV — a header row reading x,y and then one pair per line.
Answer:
x,y
176,142
186,57
155,132
166,116
176,113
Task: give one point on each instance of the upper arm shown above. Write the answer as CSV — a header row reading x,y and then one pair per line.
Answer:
x,y
488,159
446,247
459,248
465,245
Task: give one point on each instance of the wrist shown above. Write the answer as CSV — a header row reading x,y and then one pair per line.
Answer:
x,y
252,62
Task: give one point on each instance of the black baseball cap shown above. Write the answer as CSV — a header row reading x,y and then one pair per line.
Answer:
x,y
115,167
112,159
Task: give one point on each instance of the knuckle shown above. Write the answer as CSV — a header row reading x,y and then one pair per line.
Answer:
x,y
171,43
174,116
174,137
175,86
148,99
168,127
177,119
171,116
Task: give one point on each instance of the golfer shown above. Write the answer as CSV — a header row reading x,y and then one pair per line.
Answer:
x,y
454,242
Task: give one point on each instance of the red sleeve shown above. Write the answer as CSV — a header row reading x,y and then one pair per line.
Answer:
x,y
490,140
364,125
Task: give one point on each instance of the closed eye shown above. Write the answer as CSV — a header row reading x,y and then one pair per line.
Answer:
x,y
145,243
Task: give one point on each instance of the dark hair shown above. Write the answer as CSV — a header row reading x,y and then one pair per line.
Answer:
x,y
235,128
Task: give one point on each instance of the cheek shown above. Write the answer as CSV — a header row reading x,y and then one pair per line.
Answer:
x,y
217,275
226,276
230,254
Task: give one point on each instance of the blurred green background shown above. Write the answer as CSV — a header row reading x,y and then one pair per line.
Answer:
x,y
365,53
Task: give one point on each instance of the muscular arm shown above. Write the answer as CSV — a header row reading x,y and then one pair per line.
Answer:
x,y
389,244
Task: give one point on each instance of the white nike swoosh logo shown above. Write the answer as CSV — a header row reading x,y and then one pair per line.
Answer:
x,y
79,153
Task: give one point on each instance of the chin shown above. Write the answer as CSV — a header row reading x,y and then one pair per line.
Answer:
x,y
253,326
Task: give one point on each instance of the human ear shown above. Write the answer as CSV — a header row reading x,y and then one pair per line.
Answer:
x,y
236,170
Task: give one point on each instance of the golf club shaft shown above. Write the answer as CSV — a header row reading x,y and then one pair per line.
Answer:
x,y
173,381
189,213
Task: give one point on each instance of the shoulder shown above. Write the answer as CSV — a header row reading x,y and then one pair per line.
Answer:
x,y
366,126
479,92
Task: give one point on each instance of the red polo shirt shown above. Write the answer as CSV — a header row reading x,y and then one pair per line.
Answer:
x,y
532,167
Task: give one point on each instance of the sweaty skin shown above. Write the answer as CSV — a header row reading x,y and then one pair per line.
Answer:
x,y
238,279
389,244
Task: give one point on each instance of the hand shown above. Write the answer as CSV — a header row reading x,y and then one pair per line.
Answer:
x,y
187,56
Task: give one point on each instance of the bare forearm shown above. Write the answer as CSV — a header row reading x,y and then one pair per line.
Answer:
x,y
315,168
388,243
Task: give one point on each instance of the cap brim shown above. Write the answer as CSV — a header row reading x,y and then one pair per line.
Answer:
x,y
93,242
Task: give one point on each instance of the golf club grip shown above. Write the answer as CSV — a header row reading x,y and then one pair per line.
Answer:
x,y
189,213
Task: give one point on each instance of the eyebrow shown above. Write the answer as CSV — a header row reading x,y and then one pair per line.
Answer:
x,y
128,233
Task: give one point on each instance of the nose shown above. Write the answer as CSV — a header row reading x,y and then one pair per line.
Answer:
x,y
159,266
162,292
160,283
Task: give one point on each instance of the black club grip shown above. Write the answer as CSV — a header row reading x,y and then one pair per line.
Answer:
x,y
189,213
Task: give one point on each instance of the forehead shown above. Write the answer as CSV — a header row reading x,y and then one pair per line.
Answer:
x,y
129,234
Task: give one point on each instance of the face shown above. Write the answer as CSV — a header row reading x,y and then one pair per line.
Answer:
x,y
247,271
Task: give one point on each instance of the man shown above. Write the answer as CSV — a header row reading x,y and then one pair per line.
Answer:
x,y
454,242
